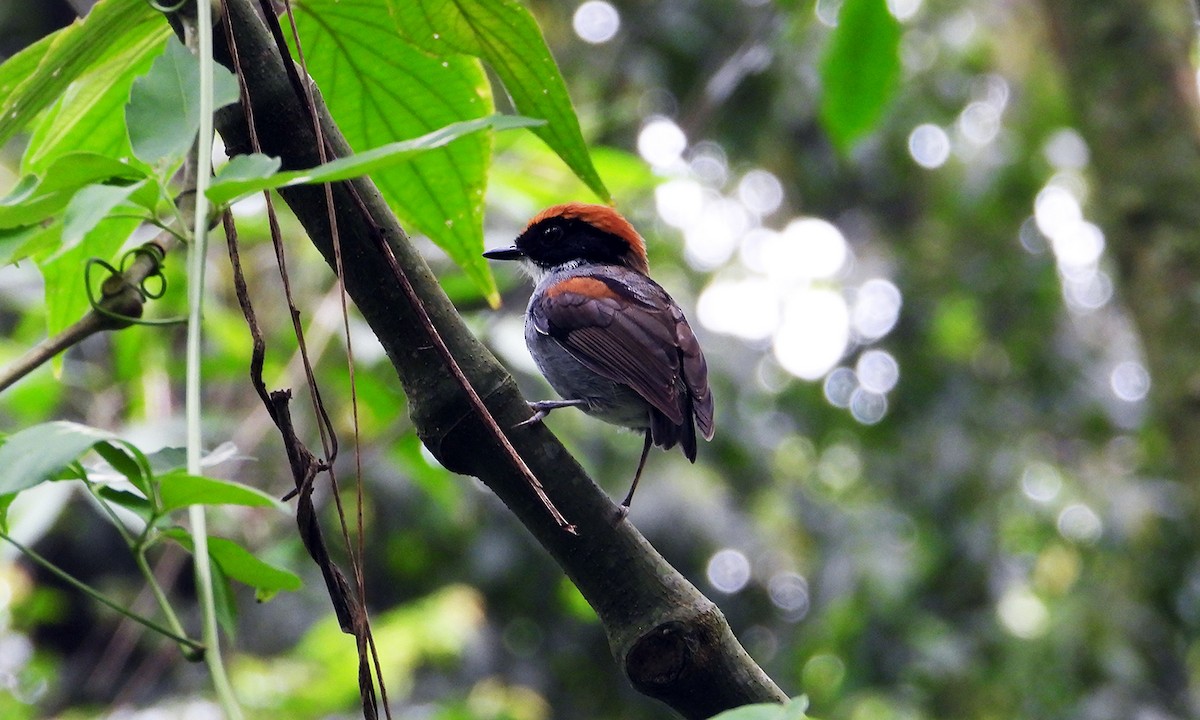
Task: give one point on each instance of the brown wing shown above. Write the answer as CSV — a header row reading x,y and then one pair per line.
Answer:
x,y
630,331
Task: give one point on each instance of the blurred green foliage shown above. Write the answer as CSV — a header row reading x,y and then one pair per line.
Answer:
x,y
997,543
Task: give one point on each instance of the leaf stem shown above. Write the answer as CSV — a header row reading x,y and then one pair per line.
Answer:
x,y
196,266
139,554
175,634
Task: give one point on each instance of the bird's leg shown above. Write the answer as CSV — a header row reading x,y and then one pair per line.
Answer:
x,y
542,408
636,476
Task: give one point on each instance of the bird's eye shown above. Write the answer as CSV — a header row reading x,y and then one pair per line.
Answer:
x,y
552,233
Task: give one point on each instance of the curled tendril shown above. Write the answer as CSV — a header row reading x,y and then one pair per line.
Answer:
x,y
166,7
143,288
155,253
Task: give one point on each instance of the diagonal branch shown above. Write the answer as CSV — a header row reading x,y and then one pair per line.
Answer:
x,y
121,298
672,641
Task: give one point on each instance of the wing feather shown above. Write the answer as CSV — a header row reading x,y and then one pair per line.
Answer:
x,y
638,337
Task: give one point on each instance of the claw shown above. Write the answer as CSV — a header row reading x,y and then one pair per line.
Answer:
x,y
534,419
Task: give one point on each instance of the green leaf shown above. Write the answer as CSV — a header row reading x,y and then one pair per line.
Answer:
x,y
6,501
163,114
108,29
859,71
179,489
224,600
88,207
130,501
239,564
36,454
123,458
18,243
90,115
253,167
794,710
225,189
505,36
167,459
17,69
36,198
380,90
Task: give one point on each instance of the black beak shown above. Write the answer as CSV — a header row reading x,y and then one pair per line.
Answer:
x,y
508,253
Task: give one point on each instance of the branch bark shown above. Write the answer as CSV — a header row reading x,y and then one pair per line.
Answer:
x,y
673,643
1134,92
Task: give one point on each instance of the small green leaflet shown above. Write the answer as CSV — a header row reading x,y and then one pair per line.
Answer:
x,y
240,179
794,710
859,70
163,113
178,490
240,564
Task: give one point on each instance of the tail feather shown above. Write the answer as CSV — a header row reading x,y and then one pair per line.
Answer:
x,y
666,434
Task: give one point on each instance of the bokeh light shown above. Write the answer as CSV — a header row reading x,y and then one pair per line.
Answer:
x,y
1066,150
713,236
839,386
760,191
748,309
979,122
814,333
596,22
868,407
789,592
877,371
929,146
1041,482
661,143
876,308
1022,613
807,248
679,201
903,9
728,570
1130,381
1080,523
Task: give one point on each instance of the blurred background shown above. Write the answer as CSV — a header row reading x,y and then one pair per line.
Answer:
x,y
932,492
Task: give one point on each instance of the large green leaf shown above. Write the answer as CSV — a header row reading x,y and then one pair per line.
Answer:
x,y
36,454
163,114
859,70
249,174
110,28
380,90
36,198
89,117
505,36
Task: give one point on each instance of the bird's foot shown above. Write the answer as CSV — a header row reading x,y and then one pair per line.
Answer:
x,y
542,408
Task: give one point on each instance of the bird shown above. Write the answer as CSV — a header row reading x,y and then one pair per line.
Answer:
x,y
609,339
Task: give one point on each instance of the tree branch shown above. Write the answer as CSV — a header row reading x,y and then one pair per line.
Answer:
x,y
120,298
672,641
1134,92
